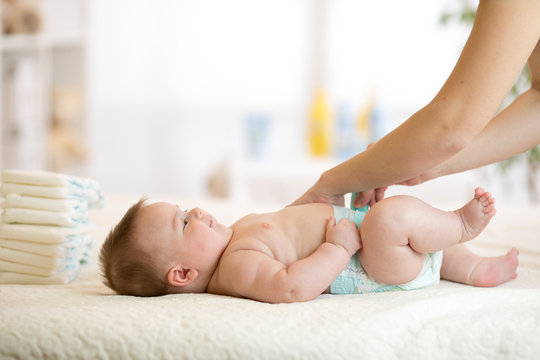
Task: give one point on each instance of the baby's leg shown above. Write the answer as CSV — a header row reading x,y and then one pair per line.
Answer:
x,y
463,266
397,231
476,214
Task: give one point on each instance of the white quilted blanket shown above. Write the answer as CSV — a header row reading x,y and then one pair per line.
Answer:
x,y
84,320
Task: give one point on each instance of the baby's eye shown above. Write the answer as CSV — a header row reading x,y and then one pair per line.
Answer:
x,y
186,222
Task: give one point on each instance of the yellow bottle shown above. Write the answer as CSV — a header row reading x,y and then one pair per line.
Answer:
x,y
363,126
320,130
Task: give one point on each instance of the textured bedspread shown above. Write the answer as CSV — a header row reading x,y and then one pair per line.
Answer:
x,y
84,320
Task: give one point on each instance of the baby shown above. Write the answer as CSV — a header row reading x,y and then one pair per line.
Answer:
x,y
300,252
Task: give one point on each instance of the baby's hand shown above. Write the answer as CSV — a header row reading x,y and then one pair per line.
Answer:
x,y
344,234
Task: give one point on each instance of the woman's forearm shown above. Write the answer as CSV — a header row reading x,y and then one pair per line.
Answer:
x,y
511,132
417,145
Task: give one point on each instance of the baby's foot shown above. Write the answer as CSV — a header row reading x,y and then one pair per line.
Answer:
x,y
476,214
492,271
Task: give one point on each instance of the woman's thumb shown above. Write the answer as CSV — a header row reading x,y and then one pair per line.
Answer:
x,y
362,199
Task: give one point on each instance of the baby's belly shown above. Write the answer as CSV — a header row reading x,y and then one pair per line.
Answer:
x,y
309,229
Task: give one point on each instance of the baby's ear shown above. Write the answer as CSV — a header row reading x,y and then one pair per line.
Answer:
x,y
178,276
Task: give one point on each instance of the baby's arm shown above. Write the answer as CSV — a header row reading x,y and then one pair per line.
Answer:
x,y
257,275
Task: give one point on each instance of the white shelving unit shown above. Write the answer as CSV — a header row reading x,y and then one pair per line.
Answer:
x,y
42,81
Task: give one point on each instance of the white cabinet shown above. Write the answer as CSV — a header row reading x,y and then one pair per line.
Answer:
x,y
42,93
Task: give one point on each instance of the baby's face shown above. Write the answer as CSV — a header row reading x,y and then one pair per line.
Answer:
x,y
193,239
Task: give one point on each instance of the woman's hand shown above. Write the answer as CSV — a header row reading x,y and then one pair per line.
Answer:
x,y
369,197
317,195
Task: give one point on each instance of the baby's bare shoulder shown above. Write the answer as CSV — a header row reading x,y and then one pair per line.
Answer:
x,y
245,251
238,265
246,244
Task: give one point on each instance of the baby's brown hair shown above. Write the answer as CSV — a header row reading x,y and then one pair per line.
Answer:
x,y
126,267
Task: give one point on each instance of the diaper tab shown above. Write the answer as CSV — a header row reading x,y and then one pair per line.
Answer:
x,y
364,208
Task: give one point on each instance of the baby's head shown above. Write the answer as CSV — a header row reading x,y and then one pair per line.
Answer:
x,y
160,249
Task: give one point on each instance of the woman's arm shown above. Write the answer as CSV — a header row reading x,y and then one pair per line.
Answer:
x,y
513,131
503,36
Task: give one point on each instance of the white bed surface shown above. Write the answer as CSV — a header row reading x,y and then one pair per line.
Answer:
x,y
84,320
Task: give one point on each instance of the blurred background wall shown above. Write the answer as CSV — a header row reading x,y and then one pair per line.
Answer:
x,y
212,97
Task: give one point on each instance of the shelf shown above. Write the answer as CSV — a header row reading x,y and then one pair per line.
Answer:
x,y
42,78
25,42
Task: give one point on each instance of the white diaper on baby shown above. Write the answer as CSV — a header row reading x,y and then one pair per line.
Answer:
x,y
355,280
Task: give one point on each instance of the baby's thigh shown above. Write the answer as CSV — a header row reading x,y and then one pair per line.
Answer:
x,y
385,253
534,67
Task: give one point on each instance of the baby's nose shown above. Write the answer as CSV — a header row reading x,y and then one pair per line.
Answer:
x,y
197,213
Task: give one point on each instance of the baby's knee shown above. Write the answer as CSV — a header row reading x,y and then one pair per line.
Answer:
x,y
388,219
395,210
382,221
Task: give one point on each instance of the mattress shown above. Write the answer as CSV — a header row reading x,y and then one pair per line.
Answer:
x,y
84,319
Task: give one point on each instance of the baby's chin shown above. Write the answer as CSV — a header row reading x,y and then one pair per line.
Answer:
x,y
227,230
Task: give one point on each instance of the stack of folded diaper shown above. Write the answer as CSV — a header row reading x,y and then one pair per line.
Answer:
x,y
44,230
